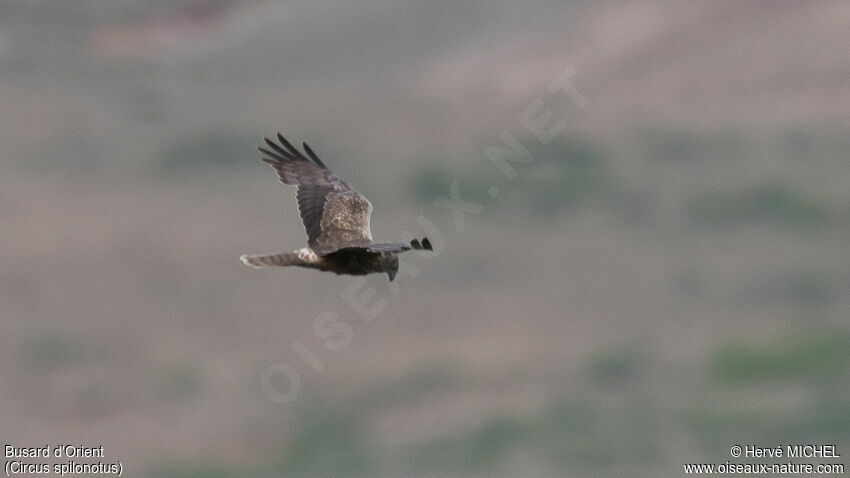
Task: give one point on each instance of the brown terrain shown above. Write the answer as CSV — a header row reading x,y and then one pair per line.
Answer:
x,y
667,277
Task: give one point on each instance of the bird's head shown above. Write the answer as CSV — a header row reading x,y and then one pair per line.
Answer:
x,y
389,264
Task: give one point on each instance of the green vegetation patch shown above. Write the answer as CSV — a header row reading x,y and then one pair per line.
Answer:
x,y
615,365
771,203
559,176
416,384
803,355
193,470
206,150
328,441
179,382
481,448
51,351
751,421
678,145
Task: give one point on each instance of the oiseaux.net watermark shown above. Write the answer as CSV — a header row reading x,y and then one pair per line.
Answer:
x,y
332,333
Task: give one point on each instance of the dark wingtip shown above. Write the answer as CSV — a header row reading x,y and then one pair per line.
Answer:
x,y
426,244
313,155
280,152
415,244
291,149
270,158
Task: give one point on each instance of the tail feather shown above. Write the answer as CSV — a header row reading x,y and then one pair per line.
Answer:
x,y
271,260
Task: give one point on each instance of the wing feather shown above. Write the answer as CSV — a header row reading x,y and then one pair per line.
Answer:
x,y
281,153
400,246
334,214
313,155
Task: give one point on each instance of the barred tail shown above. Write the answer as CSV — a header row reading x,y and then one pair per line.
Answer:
x,y
273,260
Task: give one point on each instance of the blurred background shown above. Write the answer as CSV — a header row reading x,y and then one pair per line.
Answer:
x,y
669,276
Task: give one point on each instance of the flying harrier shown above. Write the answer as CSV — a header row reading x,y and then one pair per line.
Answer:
x,y
336,218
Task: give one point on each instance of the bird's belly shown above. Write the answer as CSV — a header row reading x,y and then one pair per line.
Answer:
x,y
352,263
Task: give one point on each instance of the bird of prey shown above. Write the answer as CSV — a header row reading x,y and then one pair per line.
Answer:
x,y
336,218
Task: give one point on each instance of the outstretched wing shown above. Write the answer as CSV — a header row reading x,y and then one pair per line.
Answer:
x,y
400,246
334,214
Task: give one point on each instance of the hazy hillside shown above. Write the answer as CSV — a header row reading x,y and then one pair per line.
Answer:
x,y
666,277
